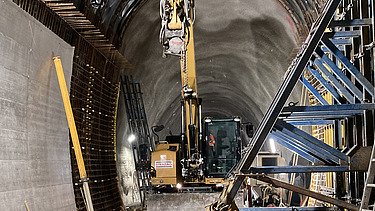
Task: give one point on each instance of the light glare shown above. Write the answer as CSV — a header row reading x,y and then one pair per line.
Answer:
x,y
178,186
273,146
131,138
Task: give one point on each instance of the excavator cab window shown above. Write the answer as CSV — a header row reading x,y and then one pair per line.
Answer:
x,y
222,147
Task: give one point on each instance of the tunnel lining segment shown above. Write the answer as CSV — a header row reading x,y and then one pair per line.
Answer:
x,y
34,154
94,90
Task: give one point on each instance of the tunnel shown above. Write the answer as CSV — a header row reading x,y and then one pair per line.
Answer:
x,y
241,58
114,62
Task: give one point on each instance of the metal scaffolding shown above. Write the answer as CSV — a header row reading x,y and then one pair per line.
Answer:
x,y
338,59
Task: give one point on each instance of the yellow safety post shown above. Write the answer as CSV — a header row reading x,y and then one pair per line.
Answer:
x,y
73,131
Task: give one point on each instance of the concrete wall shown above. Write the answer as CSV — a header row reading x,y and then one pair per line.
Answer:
x,y
34,139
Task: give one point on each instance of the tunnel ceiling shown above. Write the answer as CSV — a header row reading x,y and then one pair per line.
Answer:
x,y
242,52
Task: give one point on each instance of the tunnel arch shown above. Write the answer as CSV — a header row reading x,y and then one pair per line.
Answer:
x,y
241,58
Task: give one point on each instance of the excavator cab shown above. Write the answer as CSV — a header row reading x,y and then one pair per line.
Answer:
x,y
222,146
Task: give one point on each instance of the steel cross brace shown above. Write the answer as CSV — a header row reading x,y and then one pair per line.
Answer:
x,y
294,73
313,91
296,169
340,75
311,146
303,191
340,88
293,146
349,66
308,139
326,85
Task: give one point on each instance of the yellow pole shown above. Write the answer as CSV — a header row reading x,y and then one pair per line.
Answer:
x,y
73,131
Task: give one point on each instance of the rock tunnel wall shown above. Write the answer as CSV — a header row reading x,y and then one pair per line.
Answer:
x,y
127,176
34,154
133,26
241,59
242,53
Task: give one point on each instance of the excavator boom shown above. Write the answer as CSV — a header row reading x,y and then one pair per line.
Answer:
x,y
177,37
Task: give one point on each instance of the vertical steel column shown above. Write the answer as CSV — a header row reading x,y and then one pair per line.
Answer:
x,y
340,181
73,131
366,70
358,119
349,122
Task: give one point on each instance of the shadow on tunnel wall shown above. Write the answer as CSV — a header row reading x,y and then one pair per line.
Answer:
x,y
239,65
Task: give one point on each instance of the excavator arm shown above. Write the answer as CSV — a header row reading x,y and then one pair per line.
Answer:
x,y
177,37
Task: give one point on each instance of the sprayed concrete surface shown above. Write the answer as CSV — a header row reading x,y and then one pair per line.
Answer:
x,y
242,53
127,176
34,137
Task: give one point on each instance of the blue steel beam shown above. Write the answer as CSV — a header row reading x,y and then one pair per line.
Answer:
x,y
350,67
323,113
326,85
296,169
308,139
341,41
347,34
340,88
313,91
306,147
343,107
320,116
293,146
310,122
325,50
326,112
340,75
348,23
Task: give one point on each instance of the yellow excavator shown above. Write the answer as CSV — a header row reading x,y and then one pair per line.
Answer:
x,y
197,157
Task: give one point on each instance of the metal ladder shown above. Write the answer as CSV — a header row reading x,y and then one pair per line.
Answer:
x,y
369,185
137,122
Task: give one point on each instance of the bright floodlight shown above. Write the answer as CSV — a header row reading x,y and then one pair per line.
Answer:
x,y
178,186
272,144
208,120
219,185
237,119
131,138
